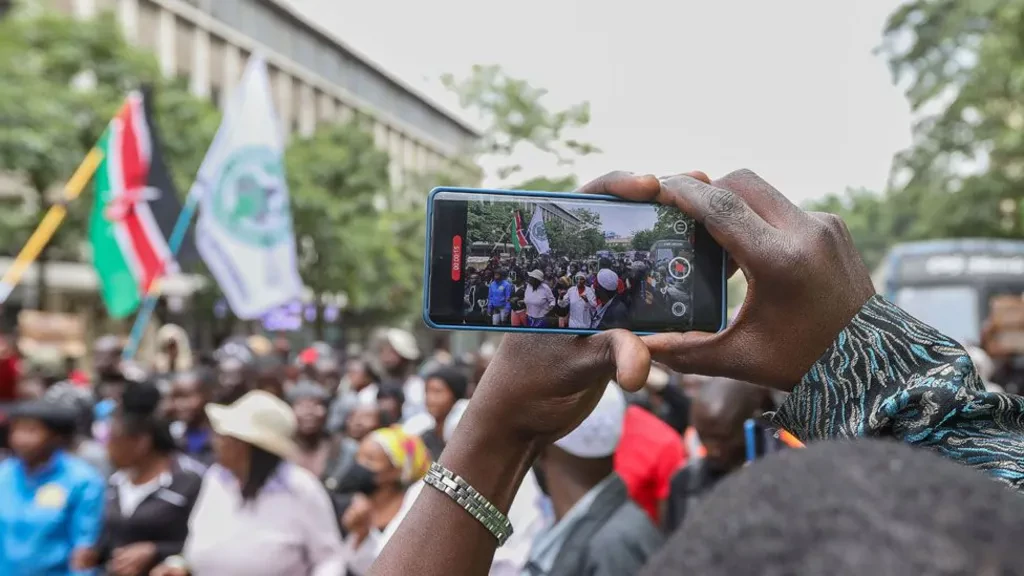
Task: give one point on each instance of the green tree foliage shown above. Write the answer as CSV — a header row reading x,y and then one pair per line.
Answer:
x,y
576,240
338,179
871,223
492,222
962,63
643,239
664,227
63,81
515,115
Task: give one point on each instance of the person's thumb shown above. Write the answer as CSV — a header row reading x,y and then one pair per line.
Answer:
x,y
631,357
699,176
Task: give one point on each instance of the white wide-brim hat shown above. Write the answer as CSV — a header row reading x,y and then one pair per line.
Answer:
x,y
258,418
536,275
404,343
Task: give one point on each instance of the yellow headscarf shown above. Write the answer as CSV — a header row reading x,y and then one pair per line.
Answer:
x,y
408,453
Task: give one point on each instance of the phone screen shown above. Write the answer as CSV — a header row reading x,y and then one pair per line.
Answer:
x,y
566,262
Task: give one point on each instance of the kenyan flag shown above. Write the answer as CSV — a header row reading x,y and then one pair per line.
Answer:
x,y
519,240
134,210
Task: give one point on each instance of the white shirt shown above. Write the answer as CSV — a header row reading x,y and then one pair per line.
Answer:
x,y
130,495
363,556
415,391
527,520
581,308
538,302
289,528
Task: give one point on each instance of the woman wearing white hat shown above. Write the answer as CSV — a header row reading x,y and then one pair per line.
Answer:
x,y
539,299
258,514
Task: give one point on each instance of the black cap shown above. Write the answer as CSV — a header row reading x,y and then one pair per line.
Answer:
x,y
59,417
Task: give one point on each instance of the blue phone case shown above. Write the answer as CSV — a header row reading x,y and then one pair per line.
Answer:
x,y
537,194
750,433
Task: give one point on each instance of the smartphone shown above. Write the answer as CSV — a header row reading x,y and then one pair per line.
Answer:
x,y
762,438
507,260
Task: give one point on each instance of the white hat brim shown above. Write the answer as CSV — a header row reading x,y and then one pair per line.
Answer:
x,y
226,422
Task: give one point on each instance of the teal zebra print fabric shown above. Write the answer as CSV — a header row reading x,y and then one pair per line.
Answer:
x,y
888,374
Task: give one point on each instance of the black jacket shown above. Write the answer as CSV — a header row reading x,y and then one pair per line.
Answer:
x,y
161,518
615,538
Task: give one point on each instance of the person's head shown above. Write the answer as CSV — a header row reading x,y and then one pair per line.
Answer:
x,y
607,284
581,280
268,375
106,355
584,457
190,392
497,275
535,278
394,458
360,374
692,384
137,433
474,279
231,379
365,418
391,399
175,352
253,436
399,350
39,428
327,372
444,387
79,401
309,401
718,414
848,509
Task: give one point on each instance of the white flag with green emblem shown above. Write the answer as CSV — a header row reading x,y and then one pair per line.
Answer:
x,y
244,232
537,233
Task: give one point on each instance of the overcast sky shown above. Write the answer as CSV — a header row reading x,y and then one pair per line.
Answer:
x,y
789,88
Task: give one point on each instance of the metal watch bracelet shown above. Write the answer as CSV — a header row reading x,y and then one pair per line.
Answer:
x,y
471,501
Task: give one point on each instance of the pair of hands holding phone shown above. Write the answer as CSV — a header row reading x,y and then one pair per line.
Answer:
x,y
805,282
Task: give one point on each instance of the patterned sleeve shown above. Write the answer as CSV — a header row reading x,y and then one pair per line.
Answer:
x,y
890,375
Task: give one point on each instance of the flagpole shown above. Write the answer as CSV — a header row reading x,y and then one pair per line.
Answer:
x,y
49,224
153,293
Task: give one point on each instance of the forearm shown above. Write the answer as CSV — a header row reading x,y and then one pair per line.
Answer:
x,y
888,374
439,537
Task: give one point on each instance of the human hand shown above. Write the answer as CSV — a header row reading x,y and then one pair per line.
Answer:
x,y
131,560
356,519
805,279
83,559
538,387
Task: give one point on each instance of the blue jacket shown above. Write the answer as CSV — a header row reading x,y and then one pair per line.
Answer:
x,y
48,514
498,294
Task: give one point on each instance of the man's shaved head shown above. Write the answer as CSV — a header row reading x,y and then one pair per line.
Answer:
x,y
718,413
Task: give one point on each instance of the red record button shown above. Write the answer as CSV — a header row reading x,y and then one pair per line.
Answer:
x,y
456,258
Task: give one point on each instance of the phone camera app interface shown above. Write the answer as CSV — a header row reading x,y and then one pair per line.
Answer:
x,y
577,264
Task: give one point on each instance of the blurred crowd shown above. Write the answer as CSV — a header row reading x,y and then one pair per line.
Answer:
x,y
265,460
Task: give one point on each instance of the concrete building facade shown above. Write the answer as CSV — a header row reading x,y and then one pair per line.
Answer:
x,y
315,77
